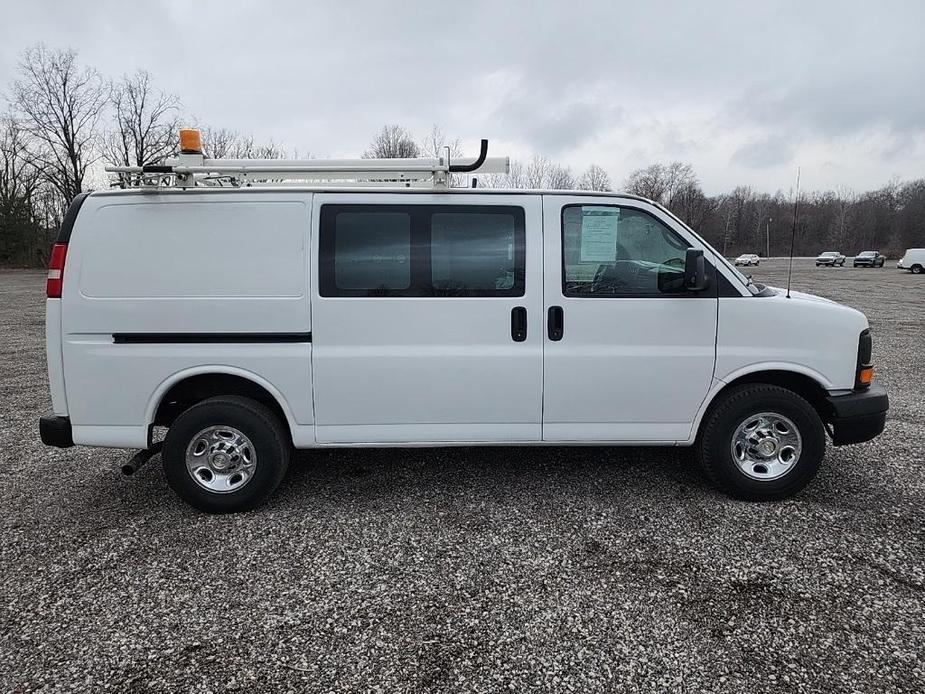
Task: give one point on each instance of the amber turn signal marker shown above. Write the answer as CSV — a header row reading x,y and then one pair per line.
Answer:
x,y
190,141
866,375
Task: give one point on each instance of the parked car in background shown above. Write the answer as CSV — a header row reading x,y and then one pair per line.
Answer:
x,y
913,260
869,259
831,259
747,259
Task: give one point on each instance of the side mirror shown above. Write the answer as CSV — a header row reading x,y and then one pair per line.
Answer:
x,y
695,271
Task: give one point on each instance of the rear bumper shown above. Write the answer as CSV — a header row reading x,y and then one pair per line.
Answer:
x,y
858,416
56,431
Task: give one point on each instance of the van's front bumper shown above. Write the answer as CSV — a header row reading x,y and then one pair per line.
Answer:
x,y
56,431
858,416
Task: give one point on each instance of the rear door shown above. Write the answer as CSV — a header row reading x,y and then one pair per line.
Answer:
x,y
427,317
628,357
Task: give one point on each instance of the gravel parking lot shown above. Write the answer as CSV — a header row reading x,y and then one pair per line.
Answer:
x,y
464,570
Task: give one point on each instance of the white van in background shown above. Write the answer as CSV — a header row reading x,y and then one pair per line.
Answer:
x,y
249,319
913,260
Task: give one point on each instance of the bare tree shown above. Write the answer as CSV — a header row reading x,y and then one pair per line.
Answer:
x,y
542,173
245,147
595,178
61,104
435,144
218,143
560,178
516,177
22,232
392,142
678,176
845,200
436,140
726,207
539,173
692,205
146,122
19,175
648,182
661,183
222,143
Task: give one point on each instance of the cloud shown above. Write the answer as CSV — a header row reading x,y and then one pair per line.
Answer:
x,y
764,153
551,121
740,90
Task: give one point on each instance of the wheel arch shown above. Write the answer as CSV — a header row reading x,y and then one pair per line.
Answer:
x,y
806,383
185,388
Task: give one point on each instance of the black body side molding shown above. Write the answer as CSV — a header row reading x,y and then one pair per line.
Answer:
x,y
207,338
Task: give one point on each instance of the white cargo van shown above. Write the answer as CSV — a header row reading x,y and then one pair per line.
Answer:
x,y
913,260
250,319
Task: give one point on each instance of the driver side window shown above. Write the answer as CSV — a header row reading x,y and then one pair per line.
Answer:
x,y
611,251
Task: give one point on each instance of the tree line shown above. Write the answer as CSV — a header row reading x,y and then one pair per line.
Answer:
x,y
63,120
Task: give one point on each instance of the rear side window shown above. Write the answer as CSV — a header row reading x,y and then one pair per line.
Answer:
x,y
472,253
421,251
372,251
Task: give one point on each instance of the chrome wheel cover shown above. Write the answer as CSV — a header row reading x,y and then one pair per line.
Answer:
x,y
221,459
766,446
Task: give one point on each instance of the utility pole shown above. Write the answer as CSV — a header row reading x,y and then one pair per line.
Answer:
x,y
768,230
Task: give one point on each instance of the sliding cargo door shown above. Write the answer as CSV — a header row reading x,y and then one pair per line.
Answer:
x,y
427,318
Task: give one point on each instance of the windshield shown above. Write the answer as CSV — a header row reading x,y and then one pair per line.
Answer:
x,y
868,254
828,254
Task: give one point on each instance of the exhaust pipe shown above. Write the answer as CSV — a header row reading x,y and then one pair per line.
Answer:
x,y
140,458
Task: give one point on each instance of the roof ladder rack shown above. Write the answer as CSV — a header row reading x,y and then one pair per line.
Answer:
x,y
191,169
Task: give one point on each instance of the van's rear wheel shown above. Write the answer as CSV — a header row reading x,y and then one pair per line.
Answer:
x,y
761,442
225,454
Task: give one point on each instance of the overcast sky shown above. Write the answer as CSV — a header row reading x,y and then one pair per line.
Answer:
x,y
744,91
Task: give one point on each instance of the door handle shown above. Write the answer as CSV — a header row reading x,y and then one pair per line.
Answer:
x,y
518,324
555,323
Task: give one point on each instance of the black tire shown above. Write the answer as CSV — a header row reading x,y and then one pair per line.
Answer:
x,y
714,445
916,269
255,421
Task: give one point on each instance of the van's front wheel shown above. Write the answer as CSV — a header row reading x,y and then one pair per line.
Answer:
x,y
761,442
225,454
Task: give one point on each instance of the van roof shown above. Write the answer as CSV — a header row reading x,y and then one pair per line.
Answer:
x,y
320,188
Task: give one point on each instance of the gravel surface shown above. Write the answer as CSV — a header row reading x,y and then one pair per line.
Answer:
x,y
477,570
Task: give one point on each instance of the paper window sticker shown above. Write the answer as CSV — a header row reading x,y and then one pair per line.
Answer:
x,y
599,235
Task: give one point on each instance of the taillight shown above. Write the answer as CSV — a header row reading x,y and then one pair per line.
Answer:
x,y
56,271
864,375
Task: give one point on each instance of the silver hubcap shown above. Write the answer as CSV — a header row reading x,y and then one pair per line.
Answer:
x,y
766,446
221,459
